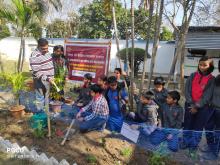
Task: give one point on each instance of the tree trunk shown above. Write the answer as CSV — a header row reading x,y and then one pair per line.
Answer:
x,y
172,68
147,44
1,64
181,39
132,53
156,42
126,29
116,34
20,53
182,86
23,55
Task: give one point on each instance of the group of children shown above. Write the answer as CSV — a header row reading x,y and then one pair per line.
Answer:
x,y
113,91
103,105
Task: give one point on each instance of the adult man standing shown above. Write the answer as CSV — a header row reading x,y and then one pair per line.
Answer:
x,y
43,72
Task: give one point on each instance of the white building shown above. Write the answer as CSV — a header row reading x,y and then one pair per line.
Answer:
x,y
9,50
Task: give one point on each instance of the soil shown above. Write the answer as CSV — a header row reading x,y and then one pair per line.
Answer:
x,y
91,148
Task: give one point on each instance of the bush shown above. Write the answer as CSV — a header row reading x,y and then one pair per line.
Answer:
x,y
138,57
16,81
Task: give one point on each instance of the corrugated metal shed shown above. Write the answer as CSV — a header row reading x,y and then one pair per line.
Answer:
x,y
206,37
203,40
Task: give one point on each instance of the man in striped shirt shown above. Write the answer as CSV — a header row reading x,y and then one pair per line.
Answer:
x,y
94,115
43,72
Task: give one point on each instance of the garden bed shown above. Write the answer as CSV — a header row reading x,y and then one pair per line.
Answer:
x,y
91,148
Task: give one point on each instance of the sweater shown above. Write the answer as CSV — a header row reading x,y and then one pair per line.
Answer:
x,y
41,65
172,116
206,96
147,112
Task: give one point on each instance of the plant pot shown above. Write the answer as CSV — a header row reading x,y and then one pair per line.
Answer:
x,y
17,111
56,106
68,100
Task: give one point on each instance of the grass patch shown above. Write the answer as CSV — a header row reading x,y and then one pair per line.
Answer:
x,y
91,159
157,159
103,141
126,152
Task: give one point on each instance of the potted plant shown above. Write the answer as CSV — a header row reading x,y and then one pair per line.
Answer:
x,y
56,103
16,82
57,94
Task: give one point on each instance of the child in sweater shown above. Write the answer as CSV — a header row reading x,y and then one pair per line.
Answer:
x,y
198,94
146,109
146,113
160,93
172,115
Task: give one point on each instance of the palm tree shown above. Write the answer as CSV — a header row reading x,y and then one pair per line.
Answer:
x,y
25,16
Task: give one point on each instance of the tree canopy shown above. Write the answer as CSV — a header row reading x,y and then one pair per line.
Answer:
x,y
166,34
96,22
63,28
4,30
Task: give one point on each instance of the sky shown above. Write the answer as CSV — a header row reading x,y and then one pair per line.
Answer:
x,y
69,5
74,5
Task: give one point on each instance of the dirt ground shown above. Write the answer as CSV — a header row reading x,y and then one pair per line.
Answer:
x,y
100,148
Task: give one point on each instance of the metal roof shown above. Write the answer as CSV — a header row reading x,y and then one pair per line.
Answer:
x,y
204,29
203,40
203,37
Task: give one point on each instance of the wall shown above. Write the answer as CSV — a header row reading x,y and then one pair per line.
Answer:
x,y
9,50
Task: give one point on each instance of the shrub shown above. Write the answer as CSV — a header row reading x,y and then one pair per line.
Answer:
x,y
138,57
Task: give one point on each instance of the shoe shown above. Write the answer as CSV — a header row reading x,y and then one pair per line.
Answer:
x,y
210,156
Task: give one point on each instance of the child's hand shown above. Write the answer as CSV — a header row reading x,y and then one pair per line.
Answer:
x,y
193,110
78,115
132,115
169,137
124,73
134,126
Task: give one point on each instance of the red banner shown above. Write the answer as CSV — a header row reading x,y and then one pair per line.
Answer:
x,y
87,57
